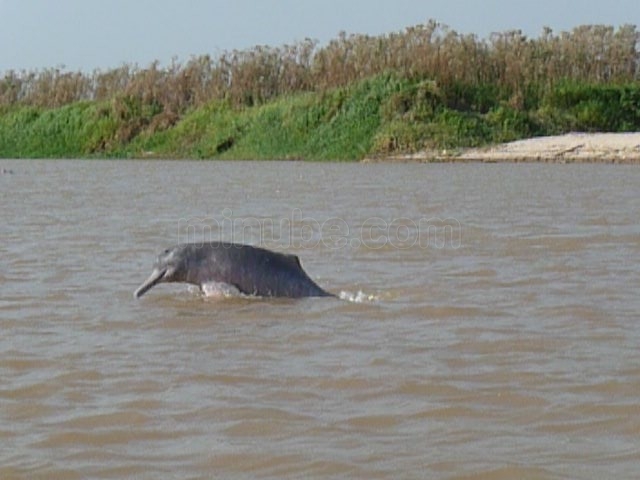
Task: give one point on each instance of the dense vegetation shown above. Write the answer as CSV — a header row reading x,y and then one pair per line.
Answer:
x,y
425,87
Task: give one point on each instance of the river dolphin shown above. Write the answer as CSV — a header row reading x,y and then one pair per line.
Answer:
x,y
252,270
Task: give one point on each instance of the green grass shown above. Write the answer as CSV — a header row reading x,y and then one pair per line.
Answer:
x,y
382,115
72,131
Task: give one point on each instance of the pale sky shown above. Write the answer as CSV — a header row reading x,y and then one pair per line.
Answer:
x,y
89,34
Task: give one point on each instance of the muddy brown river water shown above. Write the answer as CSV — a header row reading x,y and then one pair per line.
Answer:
x,y
488,326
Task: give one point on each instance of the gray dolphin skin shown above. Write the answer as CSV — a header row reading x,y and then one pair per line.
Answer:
x,y
252,270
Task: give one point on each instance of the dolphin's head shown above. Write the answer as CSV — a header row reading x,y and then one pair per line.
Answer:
x,y
170,266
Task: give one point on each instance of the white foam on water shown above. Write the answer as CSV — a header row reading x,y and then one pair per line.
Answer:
x,y
219,290
358,297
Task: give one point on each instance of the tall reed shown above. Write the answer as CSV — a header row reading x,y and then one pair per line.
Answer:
x,y
517,66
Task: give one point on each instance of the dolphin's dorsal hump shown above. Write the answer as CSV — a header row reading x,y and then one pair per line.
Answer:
x,y
294,260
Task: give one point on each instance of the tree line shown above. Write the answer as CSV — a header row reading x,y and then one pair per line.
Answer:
x,y
469,72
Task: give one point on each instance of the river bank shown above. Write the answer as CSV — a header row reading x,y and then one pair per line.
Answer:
x,y
383,118
427,89
568,148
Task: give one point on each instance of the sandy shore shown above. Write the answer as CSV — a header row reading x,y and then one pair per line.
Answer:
x,y
572,147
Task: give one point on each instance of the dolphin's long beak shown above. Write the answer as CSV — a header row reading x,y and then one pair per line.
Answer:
x,y
156,277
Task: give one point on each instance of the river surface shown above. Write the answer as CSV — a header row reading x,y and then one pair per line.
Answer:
x,y
488,323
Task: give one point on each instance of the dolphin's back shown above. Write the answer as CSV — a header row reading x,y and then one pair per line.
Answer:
x,y
257,271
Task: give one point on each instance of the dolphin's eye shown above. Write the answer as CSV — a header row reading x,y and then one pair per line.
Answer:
x,y
165,252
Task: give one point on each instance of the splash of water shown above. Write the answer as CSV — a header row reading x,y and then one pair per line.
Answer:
x,y
219,290
358,297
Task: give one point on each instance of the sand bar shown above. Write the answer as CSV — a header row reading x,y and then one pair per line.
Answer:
x,y
569,148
